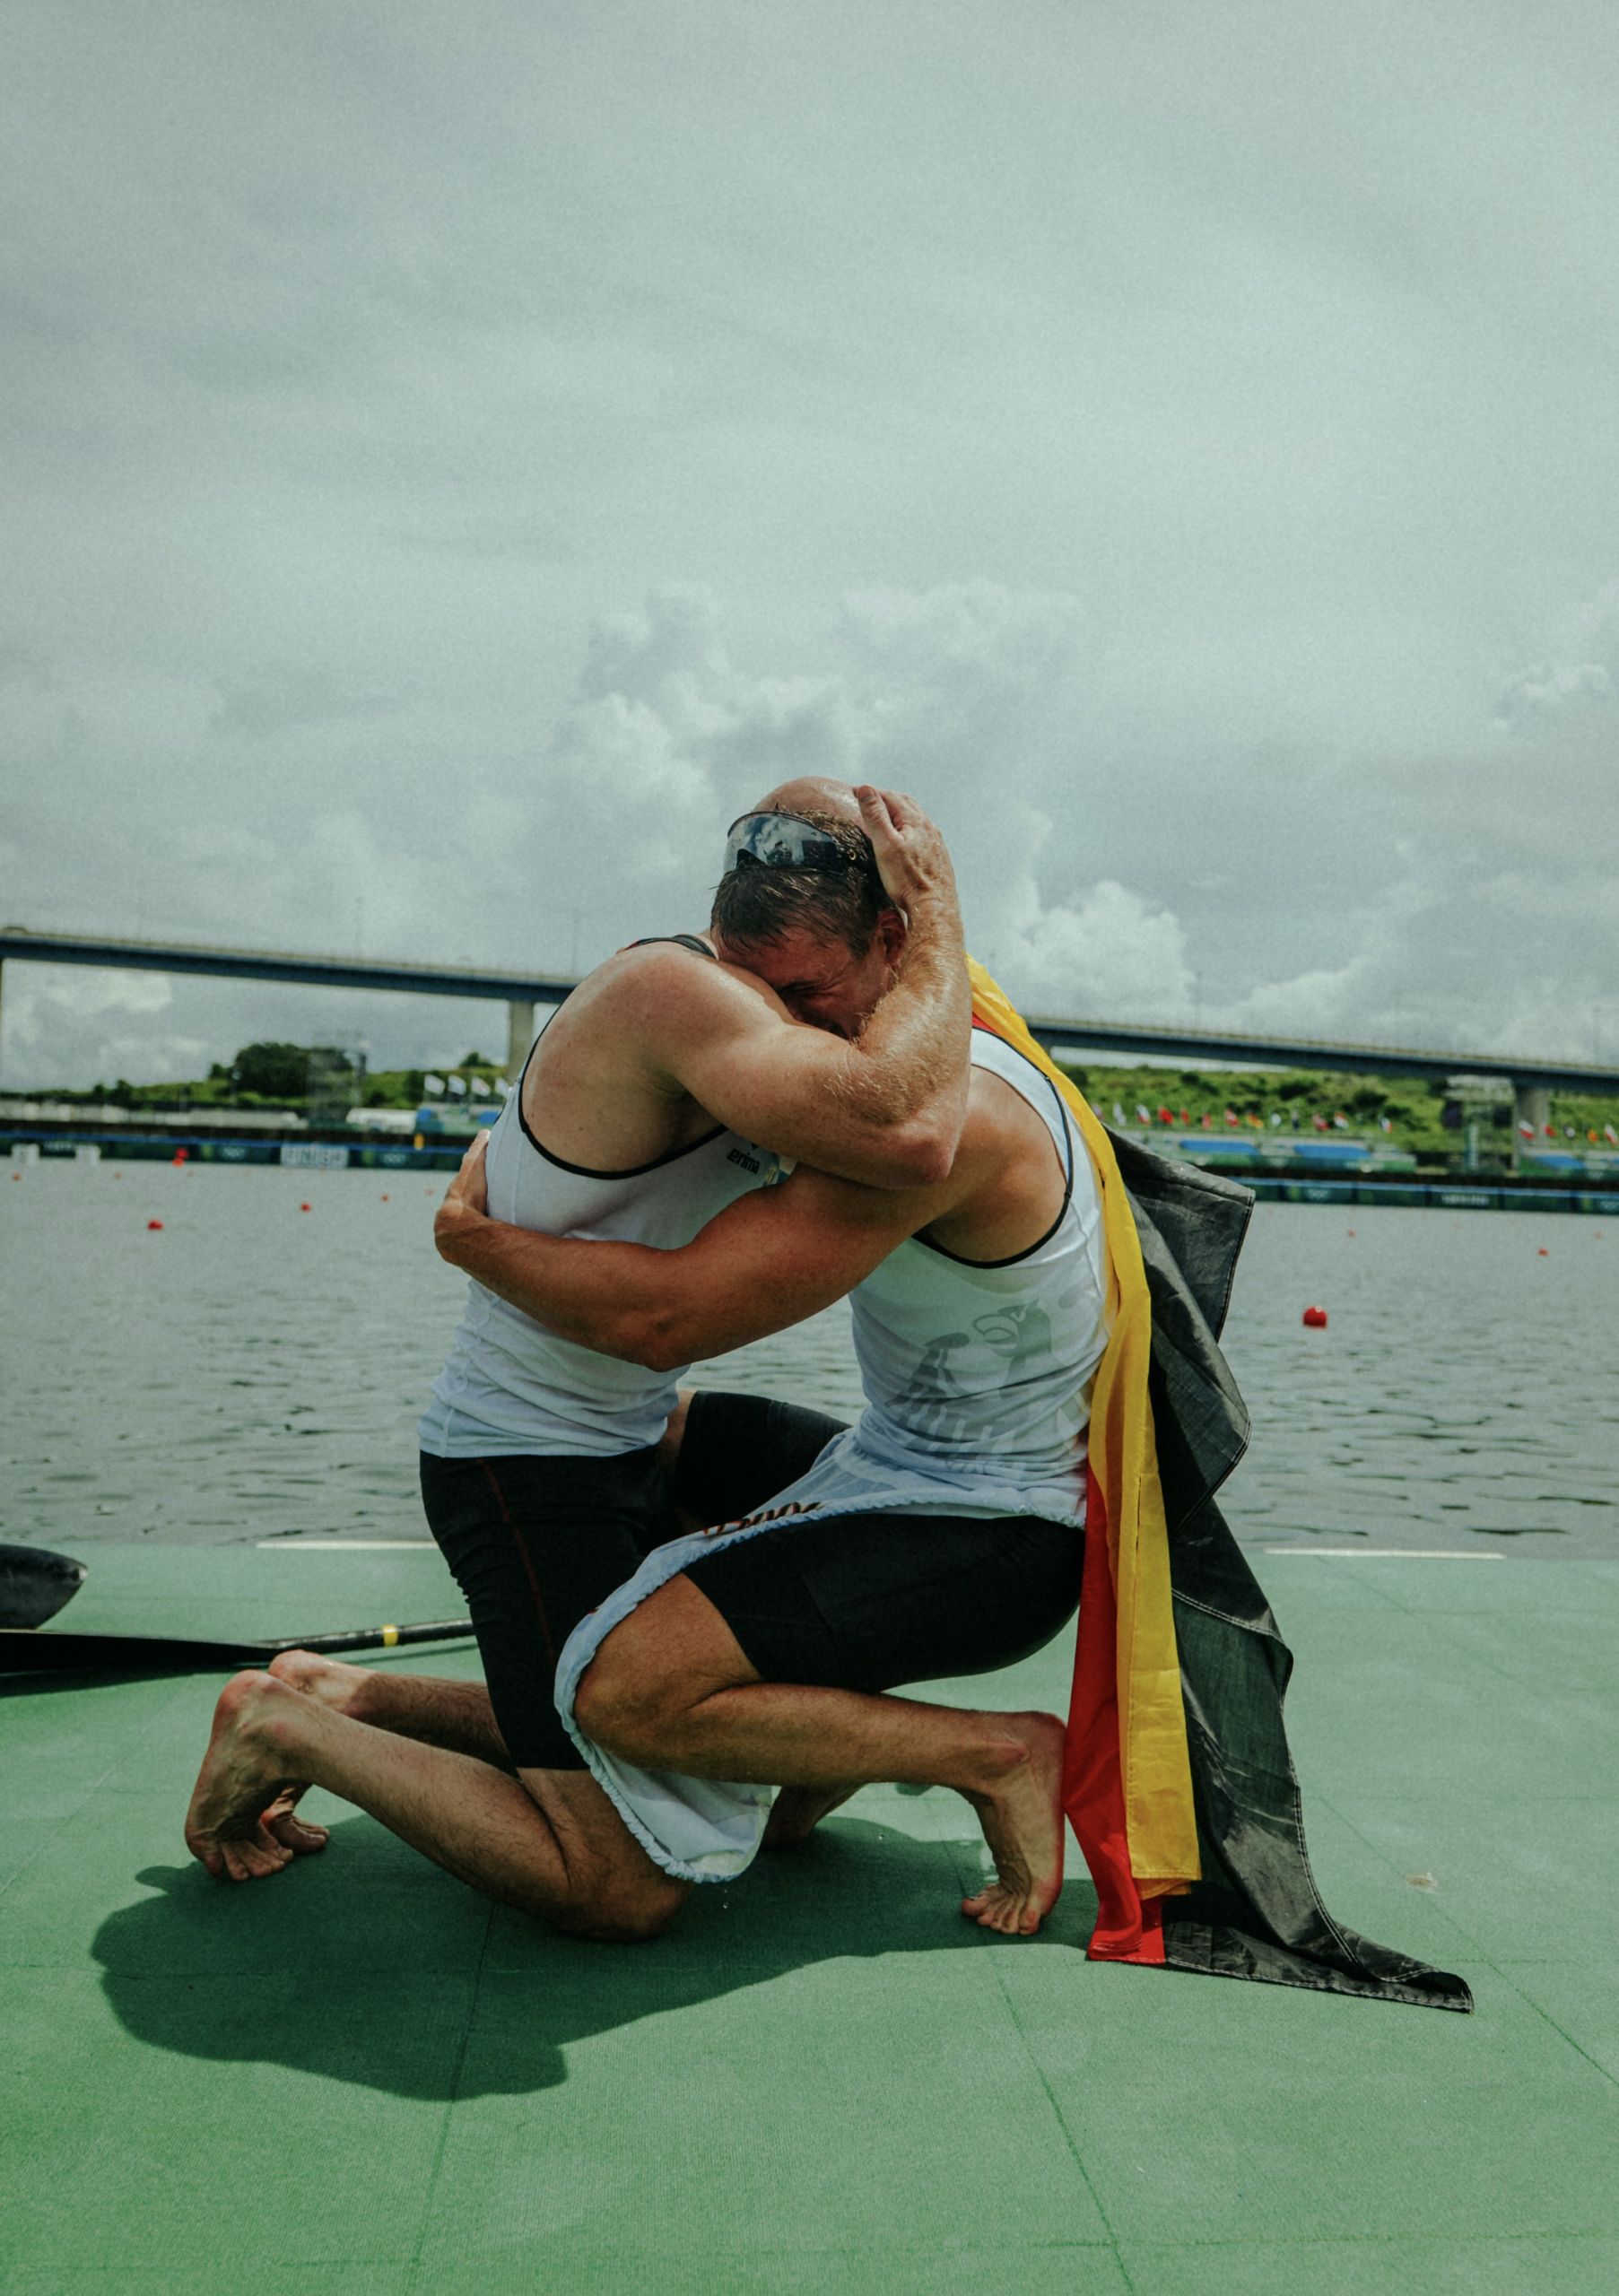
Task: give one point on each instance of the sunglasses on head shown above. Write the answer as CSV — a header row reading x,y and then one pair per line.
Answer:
x,y
787,842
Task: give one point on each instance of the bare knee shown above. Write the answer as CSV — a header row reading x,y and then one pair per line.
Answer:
x,y
623,1707
624,1917
655,1672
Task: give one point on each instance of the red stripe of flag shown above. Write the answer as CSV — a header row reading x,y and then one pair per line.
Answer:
x,y
1092,1777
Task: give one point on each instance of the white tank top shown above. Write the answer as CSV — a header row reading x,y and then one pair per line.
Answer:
x,y
511,1387
985,1370
979,1383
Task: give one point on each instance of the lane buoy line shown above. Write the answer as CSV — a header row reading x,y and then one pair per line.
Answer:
x,y
1391,1553
296,1545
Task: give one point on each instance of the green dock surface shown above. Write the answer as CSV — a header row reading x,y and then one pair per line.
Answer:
x,y
360,2076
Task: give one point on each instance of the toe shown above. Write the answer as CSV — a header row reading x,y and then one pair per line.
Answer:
x,y
303,1840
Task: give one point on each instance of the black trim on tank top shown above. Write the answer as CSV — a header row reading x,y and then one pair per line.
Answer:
x,y
1029,1251
671,1155
680,940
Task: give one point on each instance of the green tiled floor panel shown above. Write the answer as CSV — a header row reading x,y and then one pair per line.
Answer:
x,y
1506,2267
360,2076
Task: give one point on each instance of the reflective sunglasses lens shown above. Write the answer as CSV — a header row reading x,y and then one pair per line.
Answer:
x,y
781,841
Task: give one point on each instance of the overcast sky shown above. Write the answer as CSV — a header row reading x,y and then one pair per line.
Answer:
x,y
458,456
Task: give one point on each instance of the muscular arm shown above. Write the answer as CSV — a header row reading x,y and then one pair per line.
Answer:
x,y
768,1261
886,1109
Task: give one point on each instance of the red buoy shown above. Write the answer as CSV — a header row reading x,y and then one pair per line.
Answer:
x,y
306,1207
154,1223
1544,1253
1315,1318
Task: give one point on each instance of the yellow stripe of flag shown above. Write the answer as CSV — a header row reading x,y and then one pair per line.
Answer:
x,y
1157,1779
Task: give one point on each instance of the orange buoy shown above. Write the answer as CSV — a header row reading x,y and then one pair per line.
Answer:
x,y
384,1195
154,1223
1543,1253
1316,1318
306,1207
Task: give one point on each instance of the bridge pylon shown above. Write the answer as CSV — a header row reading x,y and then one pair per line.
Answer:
x,y
520,1035
1531,1106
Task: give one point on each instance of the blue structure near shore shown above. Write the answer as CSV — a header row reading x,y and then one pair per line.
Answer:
x,y
371,1155
1450,1195
301,1155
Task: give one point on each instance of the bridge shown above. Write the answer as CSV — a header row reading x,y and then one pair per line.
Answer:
x,y
1532,1080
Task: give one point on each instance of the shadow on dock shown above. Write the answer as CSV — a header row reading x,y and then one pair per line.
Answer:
x,y
367,1965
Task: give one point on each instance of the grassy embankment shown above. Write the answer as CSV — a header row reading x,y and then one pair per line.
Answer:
x,y
383,1088
1414,1109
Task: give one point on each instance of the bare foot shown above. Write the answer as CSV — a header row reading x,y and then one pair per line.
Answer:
x,y
242,1777
797,1810
1022,1823
340,1687
334,1684
300,1835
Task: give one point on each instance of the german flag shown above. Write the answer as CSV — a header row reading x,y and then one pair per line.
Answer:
x,y
1177,1782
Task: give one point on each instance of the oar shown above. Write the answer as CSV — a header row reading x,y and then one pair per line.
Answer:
x,y
35,1583
24,1650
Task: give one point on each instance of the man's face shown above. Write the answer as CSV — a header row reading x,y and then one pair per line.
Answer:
x,y
822,981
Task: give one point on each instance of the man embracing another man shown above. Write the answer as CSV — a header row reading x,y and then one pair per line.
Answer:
x,y
694,1610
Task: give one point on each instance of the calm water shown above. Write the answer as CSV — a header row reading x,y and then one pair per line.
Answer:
x,y
253,1370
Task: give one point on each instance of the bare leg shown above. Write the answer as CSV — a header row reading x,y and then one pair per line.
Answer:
x,y
547,1842
798,1810
670,1689
433,1708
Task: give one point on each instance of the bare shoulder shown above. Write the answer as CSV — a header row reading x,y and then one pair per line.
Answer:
x,y
999,1123
657,985
1007,1184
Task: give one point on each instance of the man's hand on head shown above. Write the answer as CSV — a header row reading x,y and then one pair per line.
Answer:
x,y
466,1206
912,859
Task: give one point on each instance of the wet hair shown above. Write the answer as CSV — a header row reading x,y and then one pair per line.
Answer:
x,y
754,907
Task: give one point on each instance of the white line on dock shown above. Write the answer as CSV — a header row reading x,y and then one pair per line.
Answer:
x,y
341,1546
1394,1554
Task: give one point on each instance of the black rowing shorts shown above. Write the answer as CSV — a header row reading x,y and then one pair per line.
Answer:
x,y
861,1602
535,1543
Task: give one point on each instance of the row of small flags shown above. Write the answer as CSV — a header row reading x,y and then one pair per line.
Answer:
x,y
480,1087
1338,1123
1256,1123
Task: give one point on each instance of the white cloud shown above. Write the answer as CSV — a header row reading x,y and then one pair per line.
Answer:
x,y
63,1018
1572,686
1423,899
1549,691
1108,953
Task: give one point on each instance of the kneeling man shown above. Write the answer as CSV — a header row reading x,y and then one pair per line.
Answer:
x,y
979,1365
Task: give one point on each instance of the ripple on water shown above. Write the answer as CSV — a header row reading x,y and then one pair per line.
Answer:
x,y
252,1372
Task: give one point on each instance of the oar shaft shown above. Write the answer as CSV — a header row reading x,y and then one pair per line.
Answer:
x,y
371,1637
28,1650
